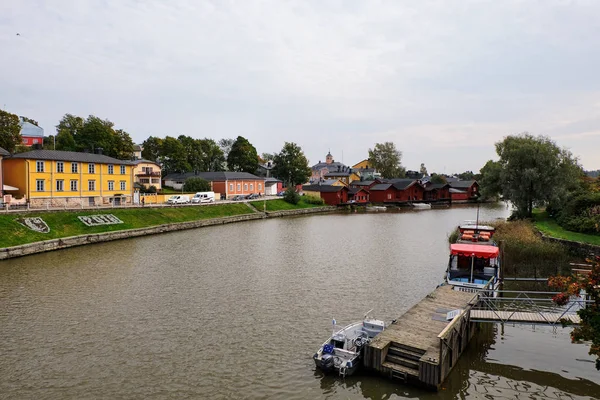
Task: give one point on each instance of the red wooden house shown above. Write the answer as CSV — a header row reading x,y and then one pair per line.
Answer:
x,y
437,192
358,195
464,190
332,195
397,191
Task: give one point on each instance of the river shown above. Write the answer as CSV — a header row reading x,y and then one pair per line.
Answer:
x,y
237,311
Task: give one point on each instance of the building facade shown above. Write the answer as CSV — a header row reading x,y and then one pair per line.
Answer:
x,y
331,195
64,178
320,169
227,184
31,134
146,174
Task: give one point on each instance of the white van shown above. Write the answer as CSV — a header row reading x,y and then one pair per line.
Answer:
x,y
178,199
204,197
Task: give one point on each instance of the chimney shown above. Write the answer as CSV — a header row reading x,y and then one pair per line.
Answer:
x,y
99,150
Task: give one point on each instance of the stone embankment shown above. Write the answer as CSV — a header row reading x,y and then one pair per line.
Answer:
x,y
583,249
63,243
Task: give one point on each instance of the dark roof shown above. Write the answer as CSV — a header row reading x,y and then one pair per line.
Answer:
x,y
4,152
214,176
356,190
60,155
137,147
434,186
331,167
323,188
401,184
462,184
457,191
381,186
136,162
338,173
271,180
362,183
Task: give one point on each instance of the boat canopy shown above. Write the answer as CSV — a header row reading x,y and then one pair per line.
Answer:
x,y
477,250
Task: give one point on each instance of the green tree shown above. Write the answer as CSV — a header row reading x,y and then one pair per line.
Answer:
x,y
387,160
31,121
196,184
291,165
71,124
152,148
122,145
266,157
423,169
173,156
10,131
535,172
65,141
193,152
437,178
243,156
489,183
291,196
212,156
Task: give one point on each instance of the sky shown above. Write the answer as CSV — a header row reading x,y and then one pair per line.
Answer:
x,y
443,80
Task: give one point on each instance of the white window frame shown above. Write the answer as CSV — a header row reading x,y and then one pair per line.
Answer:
x,y
40,185
260,186
61,183
239,187
252,187
111,169
40,166
111,185
245,187
123,185
74,187
231,187
91,168
91,185
60,167
122,170
74,168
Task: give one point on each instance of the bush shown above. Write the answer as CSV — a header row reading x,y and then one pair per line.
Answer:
x,y
581,214
291,196
313,200
196,184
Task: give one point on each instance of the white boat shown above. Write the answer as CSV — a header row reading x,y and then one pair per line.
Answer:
x,y
343,351
422,206
376,208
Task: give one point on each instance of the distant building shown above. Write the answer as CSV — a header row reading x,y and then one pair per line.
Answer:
x,y
31,134
331,195
147,173
137,151
462,191
227,184
320,169
265,170
366,171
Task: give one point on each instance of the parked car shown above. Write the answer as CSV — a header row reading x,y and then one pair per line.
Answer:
x,y
254,196
178,199
238,197
280,194
204,197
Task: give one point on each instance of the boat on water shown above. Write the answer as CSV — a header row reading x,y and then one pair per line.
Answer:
x,y
474,259
376,208
343,351
421,206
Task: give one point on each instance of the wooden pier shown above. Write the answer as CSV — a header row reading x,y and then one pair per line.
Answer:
x,y
422,346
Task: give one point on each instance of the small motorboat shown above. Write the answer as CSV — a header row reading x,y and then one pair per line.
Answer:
x,y
421,206
376,208
343,351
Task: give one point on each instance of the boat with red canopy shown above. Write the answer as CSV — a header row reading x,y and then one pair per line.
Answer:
x,y
472,265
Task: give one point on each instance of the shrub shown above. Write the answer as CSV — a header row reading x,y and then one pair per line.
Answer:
x,y
313,200
196,184
581,214
291,196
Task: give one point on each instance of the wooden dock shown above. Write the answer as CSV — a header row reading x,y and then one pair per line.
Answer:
x,y
421,347
523,317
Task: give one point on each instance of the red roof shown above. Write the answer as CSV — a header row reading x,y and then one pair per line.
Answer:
x,y
478,250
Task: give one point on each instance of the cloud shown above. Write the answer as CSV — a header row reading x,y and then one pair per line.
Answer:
x,y
443,80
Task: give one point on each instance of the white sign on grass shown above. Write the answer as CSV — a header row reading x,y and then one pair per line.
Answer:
x,y
35,224
101,219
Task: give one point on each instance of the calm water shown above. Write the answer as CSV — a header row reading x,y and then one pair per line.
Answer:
x,y
237,312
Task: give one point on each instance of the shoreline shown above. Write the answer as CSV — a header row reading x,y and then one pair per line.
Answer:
x,y
81,240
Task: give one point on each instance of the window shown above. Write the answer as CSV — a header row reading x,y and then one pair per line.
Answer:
x,y
91,169
111,169
144,180
259,186
251,186
245,186
122,170
91,186
111,185
39,185
73,185
239,187
60,166
60,185
123,185
35,141
155,180
25,140
389,196
231,187
74,167
39,166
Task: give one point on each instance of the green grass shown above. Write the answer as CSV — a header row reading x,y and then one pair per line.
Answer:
x,y
550,227
280,205
65,223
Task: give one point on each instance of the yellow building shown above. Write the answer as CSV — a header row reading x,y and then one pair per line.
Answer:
x,y
361,165
3,153
346,177
65,178
147,173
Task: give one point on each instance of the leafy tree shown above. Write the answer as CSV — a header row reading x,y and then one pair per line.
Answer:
x,y
173,157
291,166
436,178
589,328
65,141
71,124
213,158
152,148
489,183
10,131
467,176
48,143
196,184
193,151
122,145
291,196
386,159
31,121
266,157
243,156
225,145
535,171
423,169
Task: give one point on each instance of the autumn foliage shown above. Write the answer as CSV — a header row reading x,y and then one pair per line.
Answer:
x,y
589,329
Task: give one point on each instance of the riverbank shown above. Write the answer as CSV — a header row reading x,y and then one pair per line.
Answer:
x,y
550,228
66,229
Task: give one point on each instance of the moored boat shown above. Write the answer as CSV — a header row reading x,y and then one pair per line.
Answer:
x,y
376,208
343,351
421,206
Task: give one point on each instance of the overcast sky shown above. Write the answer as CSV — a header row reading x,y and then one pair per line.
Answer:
x,y
443,80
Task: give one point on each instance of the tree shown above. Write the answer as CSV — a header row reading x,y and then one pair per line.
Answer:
x,y
225,145
437,178
213,158
291,196
489,183
291,166
589,327
243,156
266,157
152,148
387,160
535,171
173,157
196,184
423,170
122,145
65,141
31,121
10,131
71,124
467,176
